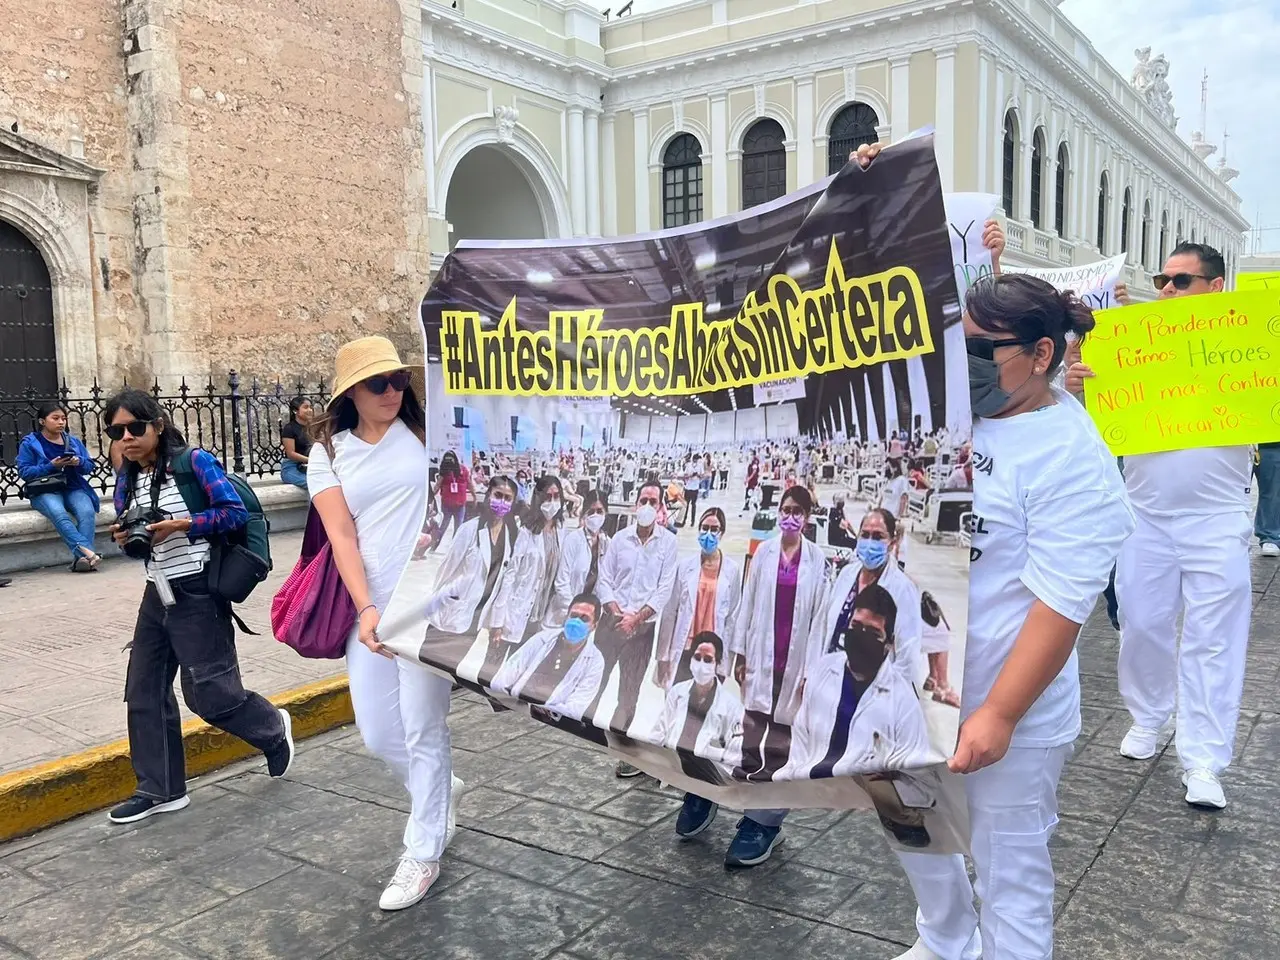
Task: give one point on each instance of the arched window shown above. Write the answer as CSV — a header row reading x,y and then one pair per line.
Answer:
x,y
682,181
1164,239
1126,211
1103,189
1144,249
1037,179
1193,234
1009,162
853,126
1060,192
1179,235
764,163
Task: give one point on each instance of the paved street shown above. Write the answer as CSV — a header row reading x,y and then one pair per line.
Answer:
x,y
557,859
62,657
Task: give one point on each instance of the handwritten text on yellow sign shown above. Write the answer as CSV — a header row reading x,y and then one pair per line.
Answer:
x,y
1186,372
1258,281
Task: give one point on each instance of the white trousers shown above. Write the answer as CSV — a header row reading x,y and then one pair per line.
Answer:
x,y
1199,567
1013,810
402,712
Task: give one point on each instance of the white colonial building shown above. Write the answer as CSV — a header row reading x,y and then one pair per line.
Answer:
x,y
554,118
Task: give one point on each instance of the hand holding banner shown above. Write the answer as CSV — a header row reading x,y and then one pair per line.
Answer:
x,y
1186,372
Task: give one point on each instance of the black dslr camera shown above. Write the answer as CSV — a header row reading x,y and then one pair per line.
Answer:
x,y
134,523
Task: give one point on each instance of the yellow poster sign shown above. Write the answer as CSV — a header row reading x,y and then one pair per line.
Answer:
x,y
1186,372
1258,281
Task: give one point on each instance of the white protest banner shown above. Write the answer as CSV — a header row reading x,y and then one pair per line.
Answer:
x,y
967,214
1094,283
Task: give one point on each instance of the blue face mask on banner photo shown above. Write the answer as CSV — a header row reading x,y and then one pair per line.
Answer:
x,y
576,629
873,553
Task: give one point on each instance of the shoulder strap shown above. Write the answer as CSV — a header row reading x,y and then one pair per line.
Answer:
x,y
184,475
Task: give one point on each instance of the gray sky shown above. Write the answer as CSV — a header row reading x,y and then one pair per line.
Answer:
x,y
1237,41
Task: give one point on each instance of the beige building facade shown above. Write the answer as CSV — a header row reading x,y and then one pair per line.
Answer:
x,y
575,123
187,188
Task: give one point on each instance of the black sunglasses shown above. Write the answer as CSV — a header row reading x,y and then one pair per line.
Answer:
x,y
135,427
985,349
397,381
1180,281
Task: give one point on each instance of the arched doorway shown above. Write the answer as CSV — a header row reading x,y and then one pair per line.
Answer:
x,y
28,351
491,198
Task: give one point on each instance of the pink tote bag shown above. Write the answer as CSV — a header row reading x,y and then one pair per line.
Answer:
x,y
313,612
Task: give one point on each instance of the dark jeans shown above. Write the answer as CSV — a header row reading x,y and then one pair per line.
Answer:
x,y
627,486
765,746
455,515
690,507
631,655
195,635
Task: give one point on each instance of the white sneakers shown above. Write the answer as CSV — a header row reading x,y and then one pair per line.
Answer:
x,y
1140,743
1271,549
1204,789
410,884
414,878
918,952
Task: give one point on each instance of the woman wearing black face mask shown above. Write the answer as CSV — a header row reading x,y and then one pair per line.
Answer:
x,y
1053,514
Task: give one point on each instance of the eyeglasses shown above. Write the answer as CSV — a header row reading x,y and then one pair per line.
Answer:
x,y
136,428
709,528
1180,281
378,384
985,349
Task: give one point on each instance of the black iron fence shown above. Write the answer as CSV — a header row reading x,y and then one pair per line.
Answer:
x,y
240,425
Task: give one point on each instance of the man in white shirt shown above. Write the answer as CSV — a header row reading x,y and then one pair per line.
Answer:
x,y
635,581
1188,556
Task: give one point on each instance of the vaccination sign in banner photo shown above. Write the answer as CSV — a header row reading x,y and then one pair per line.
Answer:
x,y
699,497
1186,372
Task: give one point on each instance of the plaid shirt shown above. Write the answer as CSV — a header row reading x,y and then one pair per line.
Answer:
x,y
226,510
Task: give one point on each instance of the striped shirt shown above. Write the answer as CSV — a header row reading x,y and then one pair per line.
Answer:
x,y
177,554
226,513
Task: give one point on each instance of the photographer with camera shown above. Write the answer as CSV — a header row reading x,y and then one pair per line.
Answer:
x,y
182,624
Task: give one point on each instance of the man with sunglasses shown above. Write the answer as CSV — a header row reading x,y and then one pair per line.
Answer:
x,y
1188,556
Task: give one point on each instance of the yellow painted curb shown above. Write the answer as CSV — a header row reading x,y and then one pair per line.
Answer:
x,y
41,796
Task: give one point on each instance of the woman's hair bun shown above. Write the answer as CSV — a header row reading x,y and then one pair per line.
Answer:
x,y
1077,317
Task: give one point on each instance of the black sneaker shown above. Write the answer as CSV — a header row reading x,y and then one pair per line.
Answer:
x,y
280,759
139,808
626,771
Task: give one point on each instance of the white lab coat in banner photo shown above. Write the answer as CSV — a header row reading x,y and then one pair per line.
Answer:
x,y
571,576
720,737
888,730
465,571
572,695
677,618
753,635
907,623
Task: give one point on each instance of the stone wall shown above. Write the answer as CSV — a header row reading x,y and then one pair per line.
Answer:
x,y
62,80
263,195
304,155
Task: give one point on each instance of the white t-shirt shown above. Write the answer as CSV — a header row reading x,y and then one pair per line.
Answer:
x,y
385,486
1194,482
1050,516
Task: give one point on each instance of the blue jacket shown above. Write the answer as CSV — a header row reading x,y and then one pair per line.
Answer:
x,y
32,463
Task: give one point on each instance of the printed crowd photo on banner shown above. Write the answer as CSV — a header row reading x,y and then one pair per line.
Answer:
x,y
703,497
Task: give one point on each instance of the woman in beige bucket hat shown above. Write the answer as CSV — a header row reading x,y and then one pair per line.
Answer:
x,y
368,480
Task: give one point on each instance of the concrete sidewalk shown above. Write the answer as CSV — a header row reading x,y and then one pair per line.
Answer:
x,y
62,657
557,859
